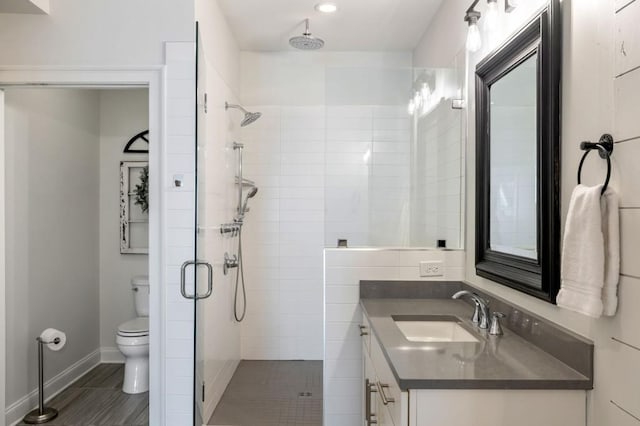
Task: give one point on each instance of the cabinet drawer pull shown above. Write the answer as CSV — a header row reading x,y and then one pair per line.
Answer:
x,y
362,331
368,389
385,400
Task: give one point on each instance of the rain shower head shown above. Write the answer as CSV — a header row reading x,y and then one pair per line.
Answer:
x,y
249,117
306,41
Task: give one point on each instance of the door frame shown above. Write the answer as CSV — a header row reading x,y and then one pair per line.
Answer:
x,y
152,78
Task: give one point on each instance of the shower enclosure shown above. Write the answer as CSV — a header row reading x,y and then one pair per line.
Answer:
x,y
352,162
214,280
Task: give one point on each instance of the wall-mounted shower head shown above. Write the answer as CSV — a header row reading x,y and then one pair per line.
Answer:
x,y
306,41
249,117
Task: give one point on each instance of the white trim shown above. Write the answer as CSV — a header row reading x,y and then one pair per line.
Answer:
x,y
154,78
16,411
111,355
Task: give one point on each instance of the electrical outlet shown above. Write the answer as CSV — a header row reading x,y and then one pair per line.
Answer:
x,y
432,269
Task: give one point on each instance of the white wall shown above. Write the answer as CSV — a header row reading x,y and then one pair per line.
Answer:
x,y
52,200
96,33
590,53
123,114
322,112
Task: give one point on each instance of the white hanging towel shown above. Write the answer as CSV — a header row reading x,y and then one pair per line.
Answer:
x,y
610,205
591,253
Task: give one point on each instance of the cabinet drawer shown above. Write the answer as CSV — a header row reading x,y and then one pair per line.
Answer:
x,y
388,389
383,414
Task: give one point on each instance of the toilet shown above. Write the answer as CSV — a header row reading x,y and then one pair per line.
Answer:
x,y
132,339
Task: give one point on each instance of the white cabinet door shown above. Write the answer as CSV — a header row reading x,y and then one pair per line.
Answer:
x,y
443,407
383,416
369,380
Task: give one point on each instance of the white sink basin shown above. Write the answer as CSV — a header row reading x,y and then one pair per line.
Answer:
x,y
434,331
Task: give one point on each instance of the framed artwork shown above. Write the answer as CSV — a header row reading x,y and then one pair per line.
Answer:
x,y
134,207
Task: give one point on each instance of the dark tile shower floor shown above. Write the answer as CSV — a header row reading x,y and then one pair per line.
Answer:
x,y
272,393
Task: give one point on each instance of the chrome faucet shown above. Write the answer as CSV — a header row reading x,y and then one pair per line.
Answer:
x,y
481,313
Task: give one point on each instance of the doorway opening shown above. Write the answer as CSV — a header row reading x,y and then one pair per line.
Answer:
x,y
77,229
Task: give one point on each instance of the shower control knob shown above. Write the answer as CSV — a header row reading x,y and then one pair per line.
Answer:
x,y
229,262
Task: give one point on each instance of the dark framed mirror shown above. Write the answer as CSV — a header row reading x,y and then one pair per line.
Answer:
x,y
518,159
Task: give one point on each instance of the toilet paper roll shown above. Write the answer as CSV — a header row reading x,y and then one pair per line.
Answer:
x,y
49,337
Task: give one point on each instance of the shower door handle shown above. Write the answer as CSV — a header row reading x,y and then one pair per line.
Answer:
x,y
183,280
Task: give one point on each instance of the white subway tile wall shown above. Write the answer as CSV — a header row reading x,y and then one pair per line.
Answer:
x,y
438,163
368,175
343,270
324,173
284,234
178,209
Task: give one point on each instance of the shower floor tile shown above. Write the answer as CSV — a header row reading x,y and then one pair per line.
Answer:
x,y
96,399
272,393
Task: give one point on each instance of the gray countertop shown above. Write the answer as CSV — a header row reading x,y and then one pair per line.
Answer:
x,y
495,362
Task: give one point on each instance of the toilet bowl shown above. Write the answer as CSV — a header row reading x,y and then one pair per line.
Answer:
x,y
132,340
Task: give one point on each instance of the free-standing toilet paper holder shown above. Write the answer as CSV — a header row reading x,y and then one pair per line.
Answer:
x,y
41,414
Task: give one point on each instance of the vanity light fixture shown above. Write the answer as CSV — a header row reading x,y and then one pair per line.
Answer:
x,y
472,16
326,7
510,5
492,15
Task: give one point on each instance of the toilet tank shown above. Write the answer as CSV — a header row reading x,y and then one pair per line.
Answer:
x,y
140,287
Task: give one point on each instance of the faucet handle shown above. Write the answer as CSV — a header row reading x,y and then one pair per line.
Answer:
x,y
496,329
476,313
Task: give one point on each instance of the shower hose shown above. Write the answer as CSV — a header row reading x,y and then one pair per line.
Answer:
x,y
239,279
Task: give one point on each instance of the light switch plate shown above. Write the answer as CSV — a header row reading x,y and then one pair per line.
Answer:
x,y
432,269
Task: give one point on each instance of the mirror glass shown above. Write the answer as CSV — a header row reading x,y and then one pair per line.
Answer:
x,y
513,161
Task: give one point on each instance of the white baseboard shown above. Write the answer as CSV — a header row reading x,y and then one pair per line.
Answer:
x,y
218,386
111,355
16,411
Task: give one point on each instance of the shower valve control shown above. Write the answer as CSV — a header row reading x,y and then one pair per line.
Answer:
x,y
230,228
229,262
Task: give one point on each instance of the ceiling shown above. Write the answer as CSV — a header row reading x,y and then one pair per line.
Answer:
x,y
382,25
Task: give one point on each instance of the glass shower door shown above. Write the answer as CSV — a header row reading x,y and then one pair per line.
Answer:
x,y
199,270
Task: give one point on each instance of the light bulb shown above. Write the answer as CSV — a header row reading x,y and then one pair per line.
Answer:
x,y
426,92
326,7
417,100
492,16
412,107
474,41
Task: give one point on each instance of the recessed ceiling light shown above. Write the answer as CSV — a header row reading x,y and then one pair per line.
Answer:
x,y
326,7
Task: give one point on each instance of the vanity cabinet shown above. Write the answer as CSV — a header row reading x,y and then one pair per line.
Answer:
x,y
385,404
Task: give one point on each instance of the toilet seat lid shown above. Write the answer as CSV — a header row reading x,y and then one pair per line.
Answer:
x,y
135,327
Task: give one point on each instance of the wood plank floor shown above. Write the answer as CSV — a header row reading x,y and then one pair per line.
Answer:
x,y
96,399
272,393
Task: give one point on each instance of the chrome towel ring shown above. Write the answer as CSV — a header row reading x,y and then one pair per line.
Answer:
x,y
605,148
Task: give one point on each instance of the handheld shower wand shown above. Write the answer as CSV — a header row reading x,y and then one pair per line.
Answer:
x,y
245,206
